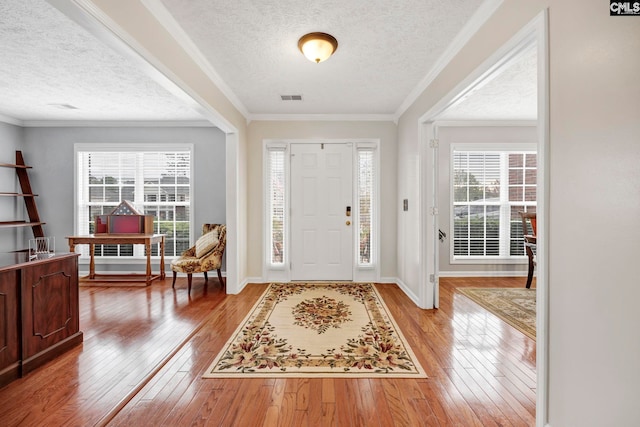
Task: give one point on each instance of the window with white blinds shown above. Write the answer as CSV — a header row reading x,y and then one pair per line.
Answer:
x,y
489,189
157,183
365,164
276,204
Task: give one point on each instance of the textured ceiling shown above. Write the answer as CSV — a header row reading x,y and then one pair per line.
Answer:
x,y
509,94
46,60
386,49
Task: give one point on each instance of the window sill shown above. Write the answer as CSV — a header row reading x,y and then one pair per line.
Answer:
x,y
128,260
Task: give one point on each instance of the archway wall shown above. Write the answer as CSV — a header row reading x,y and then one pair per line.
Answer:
x,y
592,203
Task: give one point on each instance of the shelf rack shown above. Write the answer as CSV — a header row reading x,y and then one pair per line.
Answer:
x,y
29,198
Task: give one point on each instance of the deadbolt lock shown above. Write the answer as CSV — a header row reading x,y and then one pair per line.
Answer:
x,y
348,222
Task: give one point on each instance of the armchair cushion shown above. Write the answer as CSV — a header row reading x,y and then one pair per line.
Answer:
x,y
189,262
206,243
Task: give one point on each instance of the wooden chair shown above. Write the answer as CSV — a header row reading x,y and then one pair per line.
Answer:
x,y
205,255
529,232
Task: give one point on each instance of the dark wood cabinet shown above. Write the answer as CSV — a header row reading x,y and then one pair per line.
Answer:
x,y
9,327
39,313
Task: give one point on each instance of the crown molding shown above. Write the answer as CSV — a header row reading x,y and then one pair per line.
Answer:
x,y
11,120
324,117
478,19
487,123
160,12
116,123
199,123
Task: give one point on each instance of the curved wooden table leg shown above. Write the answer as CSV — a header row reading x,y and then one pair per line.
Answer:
x,y
162,274
531,266
147,247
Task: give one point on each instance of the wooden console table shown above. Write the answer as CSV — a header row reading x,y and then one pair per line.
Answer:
x,y
113,239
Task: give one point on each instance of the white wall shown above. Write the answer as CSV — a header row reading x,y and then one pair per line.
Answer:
x,y
472,135
595,206
384,131
593,344
11,208
408,226
51,150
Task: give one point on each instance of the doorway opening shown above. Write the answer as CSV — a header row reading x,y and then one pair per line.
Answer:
x,y
471,95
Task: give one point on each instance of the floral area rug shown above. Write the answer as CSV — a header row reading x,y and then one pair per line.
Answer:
x,y
317,330
516,306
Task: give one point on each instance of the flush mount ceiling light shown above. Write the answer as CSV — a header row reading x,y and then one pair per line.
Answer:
x,y
317,47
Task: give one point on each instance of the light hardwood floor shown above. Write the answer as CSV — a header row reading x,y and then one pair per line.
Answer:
x,y
145,349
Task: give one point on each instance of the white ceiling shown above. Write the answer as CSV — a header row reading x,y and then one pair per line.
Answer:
x,y
386,52
46,60
509,93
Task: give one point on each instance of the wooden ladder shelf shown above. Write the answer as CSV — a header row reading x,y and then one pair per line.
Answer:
x,y
27,195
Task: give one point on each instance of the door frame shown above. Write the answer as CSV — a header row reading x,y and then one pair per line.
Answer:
x,y
537,32
282,272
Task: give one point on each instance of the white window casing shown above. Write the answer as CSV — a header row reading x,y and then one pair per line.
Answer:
x,y
365,216
277,218
156,178
366,198
490,184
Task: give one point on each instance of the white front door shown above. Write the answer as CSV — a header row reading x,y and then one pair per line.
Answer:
x,y
321,194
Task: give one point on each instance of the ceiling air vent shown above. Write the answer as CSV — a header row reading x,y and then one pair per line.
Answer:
x,y
291,97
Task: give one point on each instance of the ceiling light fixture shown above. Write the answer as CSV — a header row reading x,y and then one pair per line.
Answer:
x,y
317,47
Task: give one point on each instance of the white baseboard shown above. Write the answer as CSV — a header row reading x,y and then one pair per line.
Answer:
x,y
105,272
168,272
247,281
408,292
483,274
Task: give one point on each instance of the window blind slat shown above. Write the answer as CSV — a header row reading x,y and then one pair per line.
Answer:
x,y
365,205
277,204
147,179
488,189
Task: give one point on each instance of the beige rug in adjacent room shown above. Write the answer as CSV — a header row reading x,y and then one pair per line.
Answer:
x,y
317,330
516,306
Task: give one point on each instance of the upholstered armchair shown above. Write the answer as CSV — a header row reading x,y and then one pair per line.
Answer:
x,y
205,255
